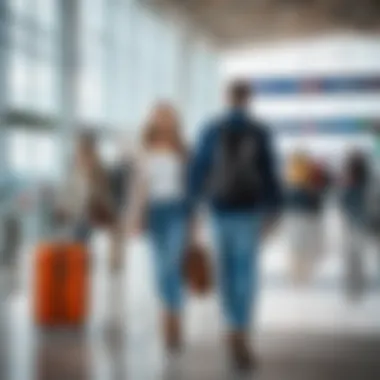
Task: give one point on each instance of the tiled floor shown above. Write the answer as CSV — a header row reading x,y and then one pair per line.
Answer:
x,y
136,353
310,334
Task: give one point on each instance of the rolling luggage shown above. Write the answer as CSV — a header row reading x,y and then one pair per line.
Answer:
x,y
61,284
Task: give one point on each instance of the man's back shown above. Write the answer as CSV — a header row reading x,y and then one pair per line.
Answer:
x,y
234,164
236,172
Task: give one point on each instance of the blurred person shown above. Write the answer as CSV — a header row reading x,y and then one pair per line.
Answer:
x,y
319,192
120,176
373,200
320,180
373,210
304,206
233,166
87,200
356,176
158,203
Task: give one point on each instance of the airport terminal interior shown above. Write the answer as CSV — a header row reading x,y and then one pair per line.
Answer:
x,y
101,65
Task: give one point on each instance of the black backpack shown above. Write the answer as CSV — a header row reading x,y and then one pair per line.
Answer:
x,y
236,177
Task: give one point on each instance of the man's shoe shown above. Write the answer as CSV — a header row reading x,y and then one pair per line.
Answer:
x,y
242,357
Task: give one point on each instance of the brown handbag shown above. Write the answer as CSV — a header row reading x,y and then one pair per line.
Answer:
x,y
197,270
100,215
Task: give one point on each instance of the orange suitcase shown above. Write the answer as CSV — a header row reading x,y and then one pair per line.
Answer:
x,y
61,284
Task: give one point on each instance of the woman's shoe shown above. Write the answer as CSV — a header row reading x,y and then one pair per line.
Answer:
x,y
172,332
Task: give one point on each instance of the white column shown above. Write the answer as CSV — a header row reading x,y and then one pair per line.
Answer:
x,y
114,20
184,85
123,95
132,84
110,62
4,50
68,73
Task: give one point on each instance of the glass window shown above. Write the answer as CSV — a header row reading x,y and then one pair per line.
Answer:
x,y
90,95
47,14
45,155
32,154
212,82
146,60
168,61
157,61
203,86
93,52
18,153
195,85
19,70
19,35
118,64
19,7
32,59
92,14
44,97
133,67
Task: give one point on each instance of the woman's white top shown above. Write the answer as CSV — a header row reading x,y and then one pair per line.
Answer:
x,y
159,178
164,176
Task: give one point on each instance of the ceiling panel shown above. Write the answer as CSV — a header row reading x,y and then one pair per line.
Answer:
x,y
235,22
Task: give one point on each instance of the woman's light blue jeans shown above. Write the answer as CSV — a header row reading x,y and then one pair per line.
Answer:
x,y
167,225
237,242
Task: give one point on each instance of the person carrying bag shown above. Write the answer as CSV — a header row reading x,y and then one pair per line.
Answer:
x,y
158,207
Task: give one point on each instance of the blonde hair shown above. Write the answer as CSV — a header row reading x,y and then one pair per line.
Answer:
x,y
152,128
299,169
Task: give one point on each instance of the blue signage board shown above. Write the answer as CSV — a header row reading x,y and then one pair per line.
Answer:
x,y
324,85
324,126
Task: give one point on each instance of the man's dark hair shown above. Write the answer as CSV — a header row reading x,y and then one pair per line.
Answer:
x,y
239,92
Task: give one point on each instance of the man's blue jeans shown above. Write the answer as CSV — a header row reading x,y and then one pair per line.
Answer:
x,y
237,240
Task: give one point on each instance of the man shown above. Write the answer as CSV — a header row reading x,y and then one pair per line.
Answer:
x,y
233,166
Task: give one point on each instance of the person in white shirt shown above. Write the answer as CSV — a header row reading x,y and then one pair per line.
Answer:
x,y
158,203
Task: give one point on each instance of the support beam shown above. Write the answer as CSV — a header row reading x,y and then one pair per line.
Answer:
x,y
4,85
68,79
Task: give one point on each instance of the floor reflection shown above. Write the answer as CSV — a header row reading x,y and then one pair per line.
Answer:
x,y
301,335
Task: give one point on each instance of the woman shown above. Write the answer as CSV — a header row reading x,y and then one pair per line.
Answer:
x,y
158,200
87,199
